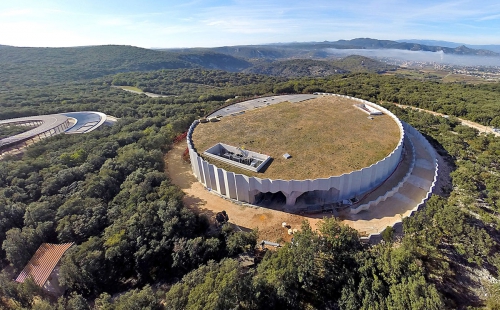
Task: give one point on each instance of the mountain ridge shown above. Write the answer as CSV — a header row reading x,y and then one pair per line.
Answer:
x,y
318,49
491,47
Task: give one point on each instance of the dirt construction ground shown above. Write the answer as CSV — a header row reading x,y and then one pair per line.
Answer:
x,y
201,201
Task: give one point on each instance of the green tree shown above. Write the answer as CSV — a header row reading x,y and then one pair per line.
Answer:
x,y
239,242
414,293
20,245
22,293
84,269
212,286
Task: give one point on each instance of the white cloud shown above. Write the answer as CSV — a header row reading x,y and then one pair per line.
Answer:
x,y
490,17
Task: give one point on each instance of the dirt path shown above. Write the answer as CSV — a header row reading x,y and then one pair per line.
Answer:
x,y
202,201
465,122
152,95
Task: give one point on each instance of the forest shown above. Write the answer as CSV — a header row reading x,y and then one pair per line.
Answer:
x,y
137,246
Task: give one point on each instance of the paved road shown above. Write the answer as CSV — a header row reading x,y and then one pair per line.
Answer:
x,y
465,122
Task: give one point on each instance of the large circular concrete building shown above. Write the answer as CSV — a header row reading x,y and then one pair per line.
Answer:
x,y
322,148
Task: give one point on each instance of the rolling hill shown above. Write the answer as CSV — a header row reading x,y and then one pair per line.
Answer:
x,y
42,66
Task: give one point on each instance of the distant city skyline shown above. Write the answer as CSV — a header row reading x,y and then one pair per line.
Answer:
x,y
211,23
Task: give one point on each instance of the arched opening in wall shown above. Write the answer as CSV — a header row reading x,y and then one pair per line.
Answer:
x,y
270,200
318,197
307,198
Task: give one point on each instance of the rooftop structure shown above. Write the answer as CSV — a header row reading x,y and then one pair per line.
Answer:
x,y
368,109
43,263
237,157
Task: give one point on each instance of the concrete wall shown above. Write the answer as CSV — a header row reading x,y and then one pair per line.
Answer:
x,y
375,238
393,191
243,188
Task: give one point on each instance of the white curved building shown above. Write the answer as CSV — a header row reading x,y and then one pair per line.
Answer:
x,y
333,189
85,121
44,126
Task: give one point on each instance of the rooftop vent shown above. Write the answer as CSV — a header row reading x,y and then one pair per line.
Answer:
x,y
237,156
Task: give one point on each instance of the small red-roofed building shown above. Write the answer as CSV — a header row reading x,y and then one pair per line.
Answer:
x,y
43,267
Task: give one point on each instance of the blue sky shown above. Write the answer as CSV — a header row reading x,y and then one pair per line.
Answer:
x,y
172,23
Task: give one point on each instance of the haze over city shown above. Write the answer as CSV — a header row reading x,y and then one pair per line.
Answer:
x,y
166,24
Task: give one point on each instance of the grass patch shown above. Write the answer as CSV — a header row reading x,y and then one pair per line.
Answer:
x,y
431,74
132,88
453,78
325,136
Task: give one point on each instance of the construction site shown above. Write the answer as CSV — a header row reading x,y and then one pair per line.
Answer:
x,y
346,157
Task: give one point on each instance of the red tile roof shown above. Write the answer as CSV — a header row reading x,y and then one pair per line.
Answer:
x,y
43,262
